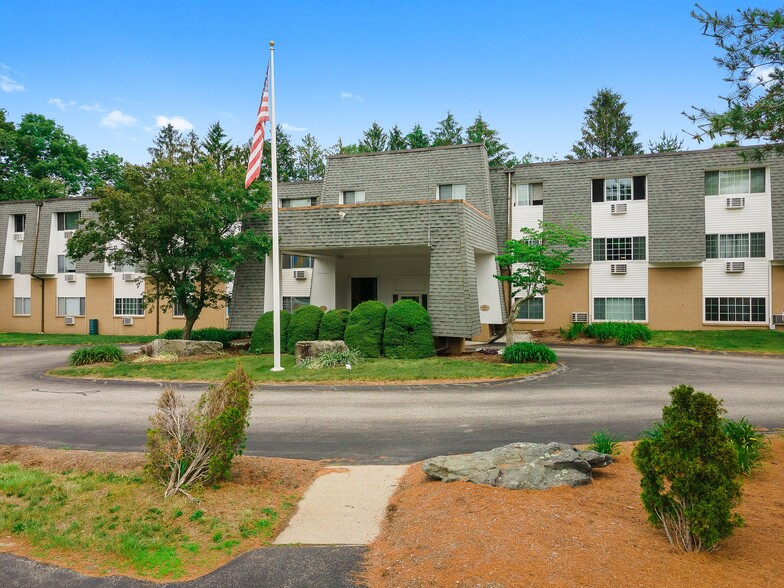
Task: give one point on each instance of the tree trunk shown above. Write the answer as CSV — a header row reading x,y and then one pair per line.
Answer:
x,y
186,331
510,319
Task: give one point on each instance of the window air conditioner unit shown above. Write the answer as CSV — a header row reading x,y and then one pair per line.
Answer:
x,y
579,317
735,267
127,277
69,320
778,319
299,274
736,202
70,278
67,234
618,208
127,321
618,269
18,236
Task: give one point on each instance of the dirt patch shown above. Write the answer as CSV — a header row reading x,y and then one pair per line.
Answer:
x,y
463,534
480,357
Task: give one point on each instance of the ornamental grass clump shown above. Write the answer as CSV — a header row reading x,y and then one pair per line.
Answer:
x,y
529,353
333,325
408,333
690,473
625,333
262,340
365,328
304,325
331,359
605,442
96,354
750,445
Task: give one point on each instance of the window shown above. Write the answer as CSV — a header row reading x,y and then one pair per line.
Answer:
x,y
618,189
451,192
21,306
529,194
420,298
352,197
68,221
735,310
531,310
17,264
737,181
735,245
619,309
124,268
176,310
297,261
70,306
19,223
293,202
292,303
128,307
619,249
65,265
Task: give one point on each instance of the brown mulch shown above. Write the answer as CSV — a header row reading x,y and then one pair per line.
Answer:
x,y
463,534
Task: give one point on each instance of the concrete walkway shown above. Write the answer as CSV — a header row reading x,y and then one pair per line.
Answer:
x,y
343,506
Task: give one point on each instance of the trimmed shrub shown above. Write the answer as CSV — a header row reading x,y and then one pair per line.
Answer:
x,y
304,325
96,354
750,445
172,334
690,473
365,328
529,353
408,333
261,341
333,325
624,333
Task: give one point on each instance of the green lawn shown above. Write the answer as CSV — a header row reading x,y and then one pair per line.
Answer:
x,y
258,367
36,339
753,340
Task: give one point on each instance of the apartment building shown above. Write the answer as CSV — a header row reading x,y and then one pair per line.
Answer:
x,y
42,291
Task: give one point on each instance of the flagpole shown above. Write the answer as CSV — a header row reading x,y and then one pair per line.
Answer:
x,y
276,367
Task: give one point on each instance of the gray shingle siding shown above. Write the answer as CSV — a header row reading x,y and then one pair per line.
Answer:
x,y
499,190
7,209
777,206
309,189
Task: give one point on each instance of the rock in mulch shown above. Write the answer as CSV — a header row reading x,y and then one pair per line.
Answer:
x,y
305,349
532,466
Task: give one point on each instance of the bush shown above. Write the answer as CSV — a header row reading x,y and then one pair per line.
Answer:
x,y
333,325
96,354
750,445
408,333
331,359
690,473
223,336
604,442
529,353
172,334
365,328
623,333
572,332
304,325
191,444
261,341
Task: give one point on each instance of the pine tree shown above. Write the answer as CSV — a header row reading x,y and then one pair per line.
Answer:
x,y
498,153
168,145
216,146
310,159
397,141
665,144
374,139
193,153
606,129
286,155
417,138
447,132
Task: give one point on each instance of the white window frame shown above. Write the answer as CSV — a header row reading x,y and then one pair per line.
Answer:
x,y
735,322
617,180
176,311
610,320
82,304
461,189
530,320
747,190
359,196
24,305
139,310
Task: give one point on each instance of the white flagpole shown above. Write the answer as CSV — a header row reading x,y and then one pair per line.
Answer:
x,y
275,246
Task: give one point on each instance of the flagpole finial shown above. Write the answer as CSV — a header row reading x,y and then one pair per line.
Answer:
x,y
272,43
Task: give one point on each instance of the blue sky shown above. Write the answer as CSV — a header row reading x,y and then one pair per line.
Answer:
x,y
111,71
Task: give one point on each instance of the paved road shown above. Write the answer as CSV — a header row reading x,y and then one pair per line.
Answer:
x,y
619,389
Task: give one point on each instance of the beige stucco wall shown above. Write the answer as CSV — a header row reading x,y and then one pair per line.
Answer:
x,y
561,302
778,289
20,324
675,298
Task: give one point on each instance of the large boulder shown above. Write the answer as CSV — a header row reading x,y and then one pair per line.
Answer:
x,y
533,466
181,347
305,349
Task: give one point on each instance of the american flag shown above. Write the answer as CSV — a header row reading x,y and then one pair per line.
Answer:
x,y
257,146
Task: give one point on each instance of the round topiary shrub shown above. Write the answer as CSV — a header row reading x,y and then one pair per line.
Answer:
x,y
262,341
529,353
333,325
408,333
304,325
365,328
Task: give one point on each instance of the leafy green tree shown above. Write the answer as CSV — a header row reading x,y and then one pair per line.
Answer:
x,y
374,139
498,153
169,144
397,140
178,221
217,146
417,138
665,144
607,128
533,261
310,159
447,132
106,169
752,42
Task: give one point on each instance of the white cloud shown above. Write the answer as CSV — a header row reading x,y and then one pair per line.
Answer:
x,y
7,83
117,118
762,73
291,128
60,104
92,108
348,96
178,122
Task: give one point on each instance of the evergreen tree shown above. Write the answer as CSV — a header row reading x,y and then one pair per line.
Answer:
x,y
217,146
665,144
374,139
417,138
287,158
498,153
310,159
193,153
168,145
397,141
447,132
607,128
